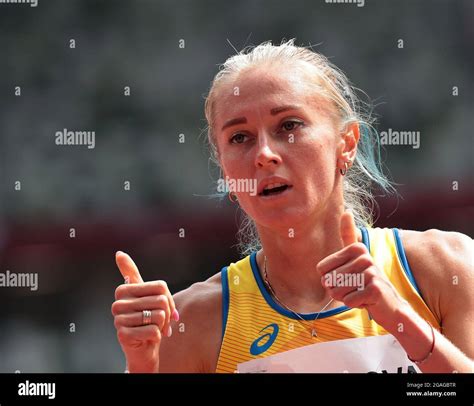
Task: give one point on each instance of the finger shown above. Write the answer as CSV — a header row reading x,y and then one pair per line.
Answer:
x,y
127,267
339,293
135,290
132,305
357,298
354,273
335,281
171,309
135,336
135,319
151,288
160,302
341,257
348,229
368,296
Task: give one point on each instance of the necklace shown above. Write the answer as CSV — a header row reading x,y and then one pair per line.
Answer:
x,y
300,319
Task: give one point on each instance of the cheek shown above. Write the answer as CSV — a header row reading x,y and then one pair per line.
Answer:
x,y
315,166
314,155
234,166
237,164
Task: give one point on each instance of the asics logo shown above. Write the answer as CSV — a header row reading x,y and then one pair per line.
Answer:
x,y
256,348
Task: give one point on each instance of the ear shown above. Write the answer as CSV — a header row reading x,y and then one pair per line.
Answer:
x,y
349,140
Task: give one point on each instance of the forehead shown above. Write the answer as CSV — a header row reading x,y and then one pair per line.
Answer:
x,y
264,88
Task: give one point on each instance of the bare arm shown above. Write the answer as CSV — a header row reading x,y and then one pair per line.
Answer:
x,y
195,343
442,263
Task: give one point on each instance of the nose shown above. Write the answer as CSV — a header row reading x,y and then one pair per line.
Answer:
x,y
266,154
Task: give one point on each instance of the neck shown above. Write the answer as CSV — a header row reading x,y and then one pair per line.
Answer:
x,y
292,260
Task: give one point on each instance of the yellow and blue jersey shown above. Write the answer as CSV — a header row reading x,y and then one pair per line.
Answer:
x,y
255,325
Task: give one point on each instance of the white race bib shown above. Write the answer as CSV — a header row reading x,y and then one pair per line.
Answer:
x,y
354,355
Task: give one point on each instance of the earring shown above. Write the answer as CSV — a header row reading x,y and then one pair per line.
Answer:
x,y
346,167
233,200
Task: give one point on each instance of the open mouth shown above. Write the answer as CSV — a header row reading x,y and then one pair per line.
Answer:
x,y
274,189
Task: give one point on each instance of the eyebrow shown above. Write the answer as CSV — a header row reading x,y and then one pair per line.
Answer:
x,y
273,112
278,110
234,121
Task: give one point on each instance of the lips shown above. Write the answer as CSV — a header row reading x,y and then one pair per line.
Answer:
x,y
274,188
273,185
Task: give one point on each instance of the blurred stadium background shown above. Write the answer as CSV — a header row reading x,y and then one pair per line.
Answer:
x,y
136,43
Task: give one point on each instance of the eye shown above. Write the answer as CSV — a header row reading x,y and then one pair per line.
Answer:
x,y
238,138
290,125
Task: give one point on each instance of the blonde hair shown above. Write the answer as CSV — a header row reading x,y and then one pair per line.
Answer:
x,y
332,85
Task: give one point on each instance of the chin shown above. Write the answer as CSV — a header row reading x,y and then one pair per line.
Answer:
x,y
284,218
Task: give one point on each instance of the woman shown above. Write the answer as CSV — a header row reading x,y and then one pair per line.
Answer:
x,y
288,119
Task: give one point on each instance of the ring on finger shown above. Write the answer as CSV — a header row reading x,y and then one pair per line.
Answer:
x,y
146,319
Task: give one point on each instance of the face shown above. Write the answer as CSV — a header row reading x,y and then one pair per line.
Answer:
x,y
270,126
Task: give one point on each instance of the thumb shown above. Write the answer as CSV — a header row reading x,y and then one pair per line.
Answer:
x,y
127,267
348,229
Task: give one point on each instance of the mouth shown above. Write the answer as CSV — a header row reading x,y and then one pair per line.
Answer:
x,y
274,189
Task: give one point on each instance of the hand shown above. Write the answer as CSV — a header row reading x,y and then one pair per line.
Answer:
x,y
139,342
351,276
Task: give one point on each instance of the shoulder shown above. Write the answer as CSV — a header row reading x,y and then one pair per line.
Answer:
x,y
200,295
195,343
442,264
450,251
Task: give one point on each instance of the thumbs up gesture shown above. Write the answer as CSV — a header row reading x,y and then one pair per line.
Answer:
x,y
142,315
351,276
